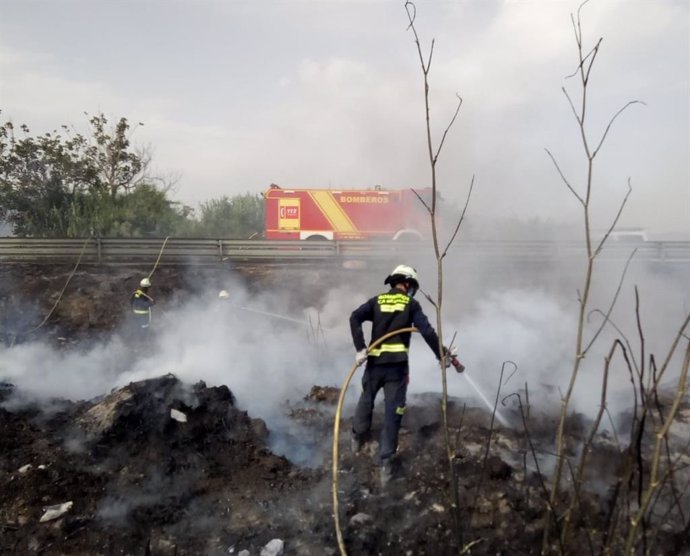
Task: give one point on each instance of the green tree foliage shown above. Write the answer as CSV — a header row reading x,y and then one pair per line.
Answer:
x,y
65,184
146,211
116,167
237,217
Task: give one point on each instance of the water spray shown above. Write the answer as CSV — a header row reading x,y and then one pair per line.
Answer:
x,y
275,315
224,295
500,417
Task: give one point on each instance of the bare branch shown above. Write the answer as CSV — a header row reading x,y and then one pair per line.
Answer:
x,y
580,120
584,59
612,304
532,448
411,16
445,133
592,54
612,424
482,471
615,220
452,340
462,217
586,447
565,181
579,9
515,369
672,350
613,119
572,106
433,153
431,56
426,206
429,298
640,333
606,317
661,434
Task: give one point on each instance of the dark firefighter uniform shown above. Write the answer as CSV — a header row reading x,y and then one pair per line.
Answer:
x,y
387,365
141,303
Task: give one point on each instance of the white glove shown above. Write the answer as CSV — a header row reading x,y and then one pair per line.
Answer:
x,y
450,354
452,359
361,357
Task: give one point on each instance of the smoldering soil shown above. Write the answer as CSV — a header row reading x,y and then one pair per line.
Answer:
x,y
281,332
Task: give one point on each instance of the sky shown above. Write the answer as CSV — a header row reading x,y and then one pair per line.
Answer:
x,y
235,95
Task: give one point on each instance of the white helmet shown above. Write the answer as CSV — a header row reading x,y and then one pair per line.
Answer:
x,y
402,273
223,294
145,283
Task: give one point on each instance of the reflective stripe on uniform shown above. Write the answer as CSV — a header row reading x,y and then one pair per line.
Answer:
x,y
400,410
393,298
141,311
392,308
388,348
392,302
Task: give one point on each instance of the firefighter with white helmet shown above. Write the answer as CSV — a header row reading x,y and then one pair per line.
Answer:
x,y
141,302
387,365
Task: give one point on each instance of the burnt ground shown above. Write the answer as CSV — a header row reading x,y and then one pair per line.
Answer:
x,y
160,467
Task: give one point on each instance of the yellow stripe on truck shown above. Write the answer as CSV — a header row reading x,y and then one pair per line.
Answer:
x,y
332,210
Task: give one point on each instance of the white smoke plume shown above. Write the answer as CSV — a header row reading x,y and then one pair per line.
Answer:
x,y
268,351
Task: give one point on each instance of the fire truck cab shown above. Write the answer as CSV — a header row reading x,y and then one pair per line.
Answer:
x,y
329,214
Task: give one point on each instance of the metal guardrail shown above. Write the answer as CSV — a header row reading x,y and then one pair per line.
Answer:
x,y
179,251
176,251
536,251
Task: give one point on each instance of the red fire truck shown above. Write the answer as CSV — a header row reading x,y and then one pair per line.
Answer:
x,y
346,214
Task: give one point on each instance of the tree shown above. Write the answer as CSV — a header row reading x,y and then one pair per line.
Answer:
x,y
145,211
591,146
65,184
39,178
440,251
107,152
240,216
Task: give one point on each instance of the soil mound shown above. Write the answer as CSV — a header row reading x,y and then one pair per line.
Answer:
x,y
163,468
156,466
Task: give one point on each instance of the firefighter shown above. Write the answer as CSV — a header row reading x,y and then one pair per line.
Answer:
x,y
387,365
141,303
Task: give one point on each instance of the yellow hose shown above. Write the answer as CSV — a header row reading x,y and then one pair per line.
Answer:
x,y
62,292
336,434
160,254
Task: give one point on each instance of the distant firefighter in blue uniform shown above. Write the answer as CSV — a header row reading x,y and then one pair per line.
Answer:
x,y
141,303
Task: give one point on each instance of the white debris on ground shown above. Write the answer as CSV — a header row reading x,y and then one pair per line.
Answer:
x,y
178,416
53,512
273,548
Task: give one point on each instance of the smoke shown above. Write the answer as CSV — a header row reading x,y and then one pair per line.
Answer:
x,y
42,372
16,315
534,325
269,348
249,345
